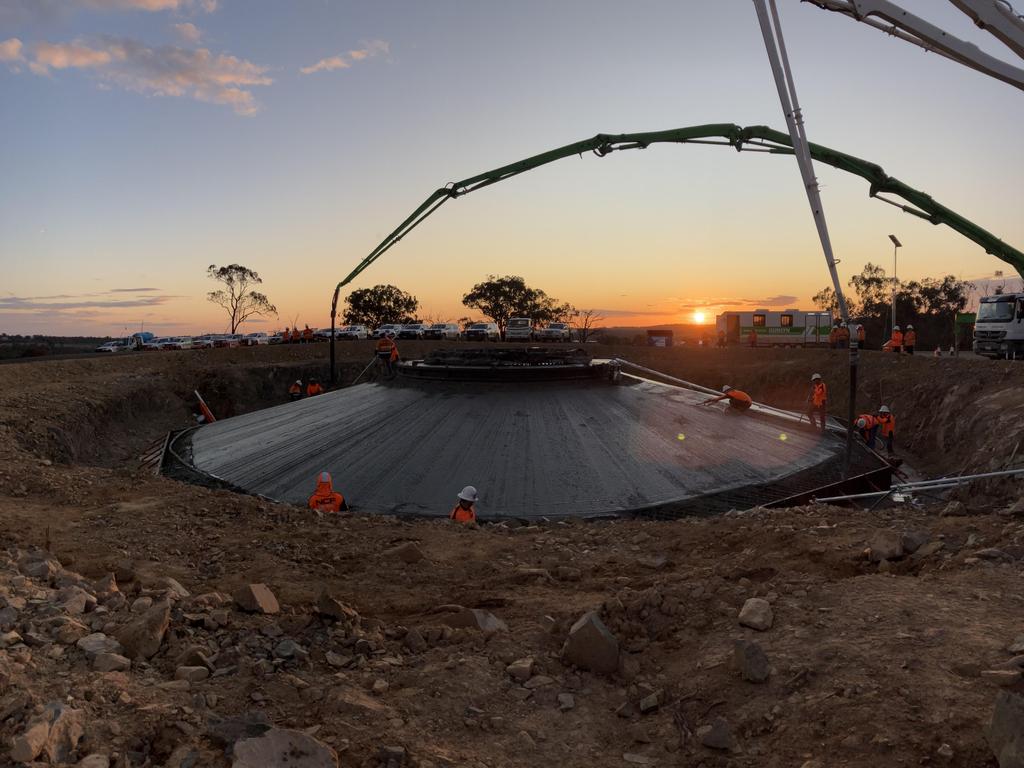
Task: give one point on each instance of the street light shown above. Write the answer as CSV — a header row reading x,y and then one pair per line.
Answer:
x,y
896,244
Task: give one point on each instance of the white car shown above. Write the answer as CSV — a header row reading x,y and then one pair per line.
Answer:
x,y
204,342
385,329
555,332
113,346
442,331
156,344
482,332
412,331
352,332
255,339
177,342
519,329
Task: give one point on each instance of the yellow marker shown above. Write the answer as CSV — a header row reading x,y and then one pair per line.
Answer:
x,y
680,436
783,436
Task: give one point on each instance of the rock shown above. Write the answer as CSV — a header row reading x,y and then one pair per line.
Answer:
x,y
757,614
885,545
69,631
106,585
945,751
289,649
29,745
474,618
142,637
914,540
173,586
98,642
38,566
1002,677
392,756
1014,510
1006,730
414,641
142,604
256,598
991,553
193,656
7,639
75,601
538,681
521,670
380,686
328,605
192,674
8,617
226,731
717,735
409,552
94,761
751,661
591,645
635,758
625,710
568,573
282,747
650,702
954,509
929,549
175,685
566,701
66,730
1017,646
111,662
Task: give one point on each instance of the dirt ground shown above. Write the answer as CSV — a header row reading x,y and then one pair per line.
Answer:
x,y
873,657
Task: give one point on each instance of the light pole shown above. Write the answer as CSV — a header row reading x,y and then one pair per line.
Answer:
x,y
896,245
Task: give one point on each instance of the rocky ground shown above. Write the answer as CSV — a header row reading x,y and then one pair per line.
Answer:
x,y
148,623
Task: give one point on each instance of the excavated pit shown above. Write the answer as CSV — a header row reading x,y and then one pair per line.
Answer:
x,y
541,434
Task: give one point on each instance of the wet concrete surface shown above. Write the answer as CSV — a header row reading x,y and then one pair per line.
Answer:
x,y
549,449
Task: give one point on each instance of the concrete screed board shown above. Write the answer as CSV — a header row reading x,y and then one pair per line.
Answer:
x,y
545,449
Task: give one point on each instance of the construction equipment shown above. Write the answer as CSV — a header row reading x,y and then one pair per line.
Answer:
x,y
999,327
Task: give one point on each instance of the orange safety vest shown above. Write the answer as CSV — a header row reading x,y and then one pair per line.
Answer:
x,y
910,338
294,389
314,389
307,333
739,400
832,335
897,338
387,347
887,422
860,335
820,394
461,514
869,420
296,336
842,333
325,498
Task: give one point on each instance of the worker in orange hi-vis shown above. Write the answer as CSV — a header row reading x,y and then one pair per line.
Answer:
x,y
833,337
738,399
307,335
325,498
818,401
464,510
296,335
752,337
910,340
860,335
868,425
314,388
387,351
896,342
887,428
842,337
295,390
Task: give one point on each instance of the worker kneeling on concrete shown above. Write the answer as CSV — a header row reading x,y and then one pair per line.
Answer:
x,y
295,390
314,388
887,428
465,510
325,498
818,401
738,400
868,425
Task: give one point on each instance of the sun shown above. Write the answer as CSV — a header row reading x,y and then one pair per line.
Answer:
x,y
699,318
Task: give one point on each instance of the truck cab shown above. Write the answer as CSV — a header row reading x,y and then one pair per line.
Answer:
x,y
519,329
999,327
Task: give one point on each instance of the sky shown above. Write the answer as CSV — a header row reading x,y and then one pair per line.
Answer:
x,y
144,140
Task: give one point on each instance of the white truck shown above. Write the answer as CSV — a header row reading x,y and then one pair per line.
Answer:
x,y
999,326
789,328
519,329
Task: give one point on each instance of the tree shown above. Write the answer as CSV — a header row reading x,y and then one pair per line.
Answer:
x,y
237,296
825,300
500,298
373,307
585,322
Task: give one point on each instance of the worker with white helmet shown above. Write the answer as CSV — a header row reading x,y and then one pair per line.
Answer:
x,y
867,425
738,400
295,390
465,509
887,428
325,498
896,342
818,401
909,340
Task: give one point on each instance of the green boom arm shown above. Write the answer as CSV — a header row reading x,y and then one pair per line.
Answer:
x,y
752,138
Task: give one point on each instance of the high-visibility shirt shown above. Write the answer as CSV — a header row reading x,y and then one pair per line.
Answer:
x,y
296,336
307,333
294,389
314,389
832,335
887,423
387,347
910,338
842,333
739,400
869,421
860,335
897,338
461,514
325,498
819,396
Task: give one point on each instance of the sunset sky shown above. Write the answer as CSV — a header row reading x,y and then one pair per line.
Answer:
x,y
143,140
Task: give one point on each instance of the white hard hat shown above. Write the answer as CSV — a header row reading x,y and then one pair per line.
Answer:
x,y
895,327
816,377
862,422
859,326
884,409
726,387
298,381
910,327
468,493
325,477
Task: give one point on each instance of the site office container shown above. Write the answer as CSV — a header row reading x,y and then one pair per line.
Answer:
x,y
788,328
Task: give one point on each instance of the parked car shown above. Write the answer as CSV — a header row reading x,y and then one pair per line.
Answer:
x,y
177,342
324,334
386,329
349,332
155,344
204,342
482,332
519,329
255,339
228,340
276,338
555,332
442,331
412,331
114,346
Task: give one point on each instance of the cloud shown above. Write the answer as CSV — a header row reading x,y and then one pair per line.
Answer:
x,y
209,6
48,11
10,50
347,59
133,290
163,71
45,304
187,33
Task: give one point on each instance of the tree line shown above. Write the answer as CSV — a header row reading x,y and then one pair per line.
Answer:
x,y
930,305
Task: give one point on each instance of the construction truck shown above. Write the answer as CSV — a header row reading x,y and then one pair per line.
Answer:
x,y
999,327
